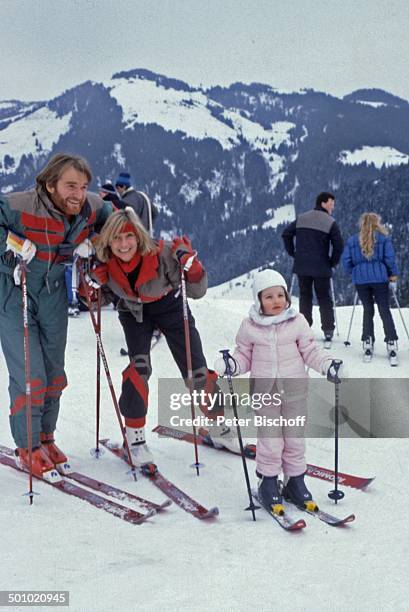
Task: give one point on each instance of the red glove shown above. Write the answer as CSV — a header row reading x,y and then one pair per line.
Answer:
x,y
99,274
182,247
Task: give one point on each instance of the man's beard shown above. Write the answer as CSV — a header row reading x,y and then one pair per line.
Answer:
x,y
68,206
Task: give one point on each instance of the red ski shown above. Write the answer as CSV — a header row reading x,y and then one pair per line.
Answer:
x,y
116,493
107,489
126,514
356,482
178,496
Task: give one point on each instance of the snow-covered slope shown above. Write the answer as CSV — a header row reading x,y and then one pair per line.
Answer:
x,y
176,562
379,156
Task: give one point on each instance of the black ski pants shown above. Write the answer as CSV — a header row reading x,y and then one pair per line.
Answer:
x,y
322,288
379,293
167,316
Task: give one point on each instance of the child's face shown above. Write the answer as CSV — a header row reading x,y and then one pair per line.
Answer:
x,y
273,300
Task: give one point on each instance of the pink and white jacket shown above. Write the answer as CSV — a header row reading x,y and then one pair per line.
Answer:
x,y
279,346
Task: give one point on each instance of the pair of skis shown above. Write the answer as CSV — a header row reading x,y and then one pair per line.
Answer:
x,y
315,471
286,521
66,485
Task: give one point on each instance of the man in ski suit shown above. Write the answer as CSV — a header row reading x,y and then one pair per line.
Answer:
x,y
317,249
40,229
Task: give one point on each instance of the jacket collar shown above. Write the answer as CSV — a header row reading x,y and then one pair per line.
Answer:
x,y
266,321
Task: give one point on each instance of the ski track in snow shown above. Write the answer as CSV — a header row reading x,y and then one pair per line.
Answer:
x,y
181,563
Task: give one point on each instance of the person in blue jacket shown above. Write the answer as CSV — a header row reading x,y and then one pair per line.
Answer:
x,y
370,258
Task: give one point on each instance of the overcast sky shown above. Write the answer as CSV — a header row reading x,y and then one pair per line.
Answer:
x,y
47,46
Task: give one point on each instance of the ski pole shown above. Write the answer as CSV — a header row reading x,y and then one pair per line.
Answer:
x,y
292,285
27,372
336,494
190,385
97,451
107,372
252,506
347,342
334,305
400,312
74,282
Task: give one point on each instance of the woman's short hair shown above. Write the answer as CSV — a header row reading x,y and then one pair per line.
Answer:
x,y
114,225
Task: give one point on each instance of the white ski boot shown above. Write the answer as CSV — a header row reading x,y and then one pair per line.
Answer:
x,y
327,341
221,436
368,350
73,310
392,348
137,445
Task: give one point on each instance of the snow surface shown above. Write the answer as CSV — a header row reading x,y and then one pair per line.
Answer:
x,y
146,102
34,134
175,562
283,214
373,104
379,156
190,112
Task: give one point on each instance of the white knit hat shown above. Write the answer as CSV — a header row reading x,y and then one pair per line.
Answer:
x,y
265,279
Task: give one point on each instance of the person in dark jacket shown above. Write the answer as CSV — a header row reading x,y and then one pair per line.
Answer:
x,y
138,200
109,194
317,250
370,258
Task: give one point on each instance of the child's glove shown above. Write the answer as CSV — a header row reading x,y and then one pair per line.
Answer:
x,y
337,372
20,246
85,249
220,366
393,283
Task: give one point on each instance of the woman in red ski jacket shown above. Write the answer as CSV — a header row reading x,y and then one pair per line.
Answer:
x,y
145,274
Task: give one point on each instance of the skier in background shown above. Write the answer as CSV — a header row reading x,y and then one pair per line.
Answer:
x,y
317,250
38,228
275,344
370,258
138,200
109,194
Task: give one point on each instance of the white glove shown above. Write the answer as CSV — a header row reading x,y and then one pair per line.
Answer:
x,y
91,282
220,366
393,285
20,246
85,249
337,372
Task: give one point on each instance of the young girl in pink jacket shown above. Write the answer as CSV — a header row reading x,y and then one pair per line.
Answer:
x,y
275,343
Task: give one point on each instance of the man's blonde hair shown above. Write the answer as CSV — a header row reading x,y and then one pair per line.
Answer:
x,y
113,226
369,223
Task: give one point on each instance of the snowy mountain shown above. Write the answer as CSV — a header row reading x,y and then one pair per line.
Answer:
x,y
229,166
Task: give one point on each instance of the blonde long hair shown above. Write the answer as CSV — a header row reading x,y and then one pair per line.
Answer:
x,y
114,225
369,224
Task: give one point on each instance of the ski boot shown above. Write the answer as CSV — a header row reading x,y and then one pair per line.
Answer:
x,y
73,310
221,436
141,455
55,454
368,350
297,493
42,465
269,495
392,348
328,339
